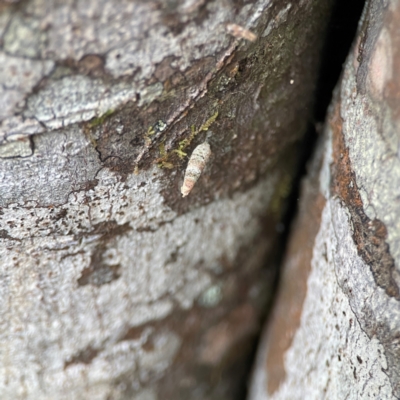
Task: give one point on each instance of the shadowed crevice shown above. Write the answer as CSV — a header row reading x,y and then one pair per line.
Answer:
x,y
340,35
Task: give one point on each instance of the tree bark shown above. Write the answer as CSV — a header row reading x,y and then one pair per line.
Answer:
x,y
112,285
335,328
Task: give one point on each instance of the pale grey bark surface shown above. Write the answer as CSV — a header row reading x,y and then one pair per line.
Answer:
x,y
335,329
113,286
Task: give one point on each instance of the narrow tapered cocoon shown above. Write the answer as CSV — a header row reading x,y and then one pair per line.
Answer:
x,y
196,164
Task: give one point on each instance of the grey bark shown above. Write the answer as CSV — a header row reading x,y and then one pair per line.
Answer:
x,y
334,333
113,286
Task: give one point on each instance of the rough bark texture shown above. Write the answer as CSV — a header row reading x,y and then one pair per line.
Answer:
x,y
334,332
113,286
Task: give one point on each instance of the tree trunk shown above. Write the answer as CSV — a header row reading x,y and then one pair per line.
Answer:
x,y
334,333
113,286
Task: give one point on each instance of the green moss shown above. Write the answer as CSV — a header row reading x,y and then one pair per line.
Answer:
x,y
96,121
164,160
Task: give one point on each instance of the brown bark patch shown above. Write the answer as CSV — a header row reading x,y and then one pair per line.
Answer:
x,y
133,333
90,65
99,272
368,235
286,316
84,356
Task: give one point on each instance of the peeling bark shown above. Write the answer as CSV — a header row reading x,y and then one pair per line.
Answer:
x,y
341,319
113,286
